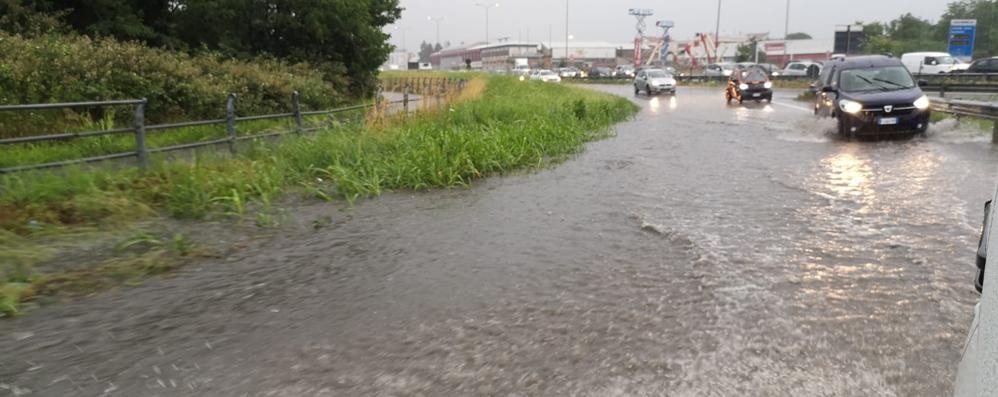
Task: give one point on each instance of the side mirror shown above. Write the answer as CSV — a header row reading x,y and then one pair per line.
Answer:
x,y
828,89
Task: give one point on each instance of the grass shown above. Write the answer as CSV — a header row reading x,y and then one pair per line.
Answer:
x,y
497,125
45,152
984,125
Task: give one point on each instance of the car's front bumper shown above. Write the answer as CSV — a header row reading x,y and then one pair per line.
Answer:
x,y
871,123
662,88
756,93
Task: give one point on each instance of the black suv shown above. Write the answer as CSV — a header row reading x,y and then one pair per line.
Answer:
x,y
872,95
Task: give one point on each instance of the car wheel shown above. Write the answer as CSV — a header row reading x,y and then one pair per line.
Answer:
x,y
843,130
727,95
740,100
636,91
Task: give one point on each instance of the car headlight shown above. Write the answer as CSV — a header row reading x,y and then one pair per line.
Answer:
x,y
851,107
768,84
922,103
776,74
743,86
726,73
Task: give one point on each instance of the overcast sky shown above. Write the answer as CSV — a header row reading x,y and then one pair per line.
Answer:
x,y
607,20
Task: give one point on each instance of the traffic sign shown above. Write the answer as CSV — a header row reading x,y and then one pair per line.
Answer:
x,y
962,34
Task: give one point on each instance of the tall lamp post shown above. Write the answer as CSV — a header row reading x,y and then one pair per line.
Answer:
x,y
404,44
437,21
487,7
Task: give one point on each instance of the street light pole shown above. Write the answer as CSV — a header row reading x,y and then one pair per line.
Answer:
x,y
566,32
437,21
717,29
786,28
487,7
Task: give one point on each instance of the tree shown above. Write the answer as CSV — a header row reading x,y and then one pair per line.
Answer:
x,y
425,51
438,48
986,14
336,35
745,52
799,36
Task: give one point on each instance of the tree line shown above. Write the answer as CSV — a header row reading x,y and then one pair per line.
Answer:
x,y
909,33
339,36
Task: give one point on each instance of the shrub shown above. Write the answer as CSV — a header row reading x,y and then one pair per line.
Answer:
x,y
68,68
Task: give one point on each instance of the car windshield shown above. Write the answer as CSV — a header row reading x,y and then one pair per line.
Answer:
x,y
657,74
547,73
883,78
753,74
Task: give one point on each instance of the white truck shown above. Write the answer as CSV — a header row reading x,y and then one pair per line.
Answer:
x,y
521,67
931,63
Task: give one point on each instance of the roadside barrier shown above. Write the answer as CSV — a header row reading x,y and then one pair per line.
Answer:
x,y
436,87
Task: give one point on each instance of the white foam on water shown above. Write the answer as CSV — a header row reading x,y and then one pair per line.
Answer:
x,y
952,131
811,130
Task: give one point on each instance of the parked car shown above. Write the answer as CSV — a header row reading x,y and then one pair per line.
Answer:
x,y
872,95
719,69
546,76
654,82
751,83
624,71
931,62
521,70
600,73
986,65
770,69
570,72
975,369
802,68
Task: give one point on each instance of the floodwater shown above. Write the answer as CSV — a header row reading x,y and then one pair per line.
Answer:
x,y
705,250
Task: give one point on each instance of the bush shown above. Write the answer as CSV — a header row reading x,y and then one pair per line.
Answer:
x,y
67,68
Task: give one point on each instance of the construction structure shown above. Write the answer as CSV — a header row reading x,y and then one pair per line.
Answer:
x,y
660,45
639,41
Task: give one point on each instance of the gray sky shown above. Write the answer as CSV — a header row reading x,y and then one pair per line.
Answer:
x,y
607,20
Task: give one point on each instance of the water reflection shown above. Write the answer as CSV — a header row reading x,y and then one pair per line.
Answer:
x,y
654,105
673,104
849,176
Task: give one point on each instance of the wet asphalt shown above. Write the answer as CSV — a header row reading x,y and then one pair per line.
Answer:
x,y
705,250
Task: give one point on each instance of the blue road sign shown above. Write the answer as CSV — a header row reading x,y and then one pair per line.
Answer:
x,y
962,33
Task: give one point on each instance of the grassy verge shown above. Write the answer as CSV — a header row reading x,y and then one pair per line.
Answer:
x,y
985,126
498,124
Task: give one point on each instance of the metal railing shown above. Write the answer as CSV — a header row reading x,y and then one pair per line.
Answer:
x,y
140,130
975,109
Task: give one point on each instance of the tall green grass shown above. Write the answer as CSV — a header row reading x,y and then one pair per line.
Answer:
x,y
513,125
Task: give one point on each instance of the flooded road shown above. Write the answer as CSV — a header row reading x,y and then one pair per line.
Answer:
x,y
706,250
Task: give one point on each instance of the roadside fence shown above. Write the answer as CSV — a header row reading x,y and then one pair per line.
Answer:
x,y
438,89
976,109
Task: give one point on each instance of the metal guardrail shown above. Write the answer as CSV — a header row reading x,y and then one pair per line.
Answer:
x,y
139,128
975,109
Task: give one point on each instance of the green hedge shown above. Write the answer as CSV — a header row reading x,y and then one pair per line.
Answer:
x,y
63,68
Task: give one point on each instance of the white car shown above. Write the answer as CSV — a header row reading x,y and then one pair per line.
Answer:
x,y
931,63
800,68
546,76
654,82
976,374
719,69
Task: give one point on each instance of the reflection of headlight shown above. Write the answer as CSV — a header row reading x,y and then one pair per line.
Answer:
x,y
743,86
922,103
522,78
768,84
851,107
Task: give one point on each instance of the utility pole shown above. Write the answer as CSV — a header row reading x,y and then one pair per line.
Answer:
x,y
566,32
487,7
437,21
786,34
717,29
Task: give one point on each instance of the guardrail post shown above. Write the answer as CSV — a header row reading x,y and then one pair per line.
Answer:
x,y
230,121
405,101
141,153
296,104
994,131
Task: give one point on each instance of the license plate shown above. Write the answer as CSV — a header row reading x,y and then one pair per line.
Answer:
x,y
889,121
756,95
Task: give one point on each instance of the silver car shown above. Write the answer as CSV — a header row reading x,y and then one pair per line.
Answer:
x,y
654,82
